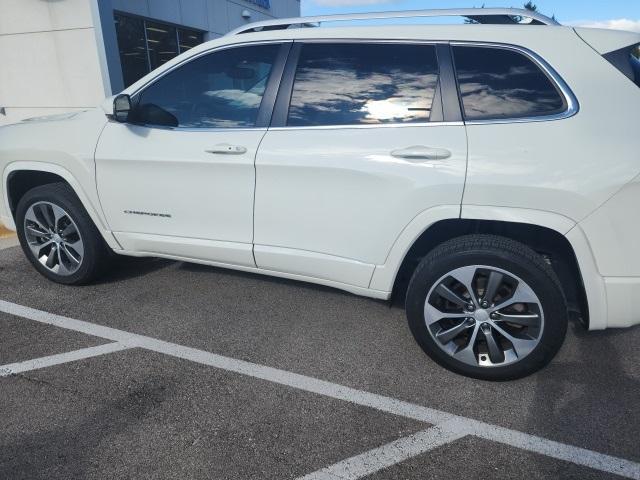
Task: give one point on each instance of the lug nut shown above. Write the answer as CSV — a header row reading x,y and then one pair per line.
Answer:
x,y
485,304
470,307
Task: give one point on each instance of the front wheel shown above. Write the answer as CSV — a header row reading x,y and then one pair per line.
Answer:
x,y
487,307
58,236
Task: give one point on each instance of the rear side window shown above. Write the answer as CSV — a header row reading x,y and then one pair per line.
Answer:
x,y
500,83
627,60
346,84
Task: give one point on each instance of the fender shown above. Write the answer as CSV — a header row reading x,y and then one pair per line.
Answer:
x,y
593,282
384,275
88,203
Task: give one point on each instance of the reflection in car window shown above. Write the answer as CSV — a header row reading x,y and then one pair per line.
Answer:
x,y
498,83
345,84
218,90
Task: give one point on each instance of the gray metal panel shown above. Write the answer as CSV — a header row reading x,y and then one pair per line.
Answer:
x,y
234,12
137,7
194,13
110,40
218,17
167,10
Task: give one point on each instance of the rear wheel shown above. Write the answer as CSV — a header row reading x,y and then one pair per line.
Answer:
x,y
58,236
487,307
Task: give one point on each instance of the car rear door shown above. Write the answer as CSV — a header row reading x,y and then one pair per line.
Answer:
x,y
365,137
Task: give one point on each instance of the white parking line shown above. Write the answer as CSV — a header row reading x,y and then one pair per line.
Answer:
x,y
35,364
580,456
392,453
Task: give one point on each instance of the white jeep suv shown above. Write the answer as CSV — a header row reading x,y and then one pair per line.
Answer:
x,y
488,171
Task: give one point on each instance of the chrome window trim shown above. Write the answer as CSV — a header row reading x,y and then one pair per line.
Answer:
x,y
359,126
196,129
573,106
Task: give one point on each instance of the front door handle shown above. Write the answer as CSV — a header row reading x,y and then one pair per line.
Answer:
x,y
420,152
226,149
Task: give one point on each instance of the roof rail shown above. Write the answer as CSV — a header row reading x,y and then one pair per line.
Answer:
x,y
481,15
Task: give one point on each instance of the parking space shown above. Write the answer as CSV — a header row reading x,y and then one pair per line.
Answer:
x,y
220,374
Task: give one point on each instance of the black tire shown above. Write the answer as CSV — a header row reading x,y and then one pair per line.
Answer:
x,y
504,254
96,252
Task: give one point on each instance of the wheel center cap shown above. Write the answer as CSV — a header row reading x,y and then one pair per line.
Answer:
x,y
56,238
481,315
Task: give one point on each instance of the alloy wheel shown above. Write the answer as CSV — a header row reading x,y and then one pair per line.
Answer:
x,y
484,316
54,238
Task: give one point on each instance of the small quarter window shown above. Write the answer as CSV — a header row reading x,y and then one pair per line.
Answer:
x,y
627,60
219,90
499,83
347,84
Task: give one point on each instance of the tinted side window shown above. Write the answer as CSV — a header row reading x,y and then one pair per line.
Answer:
x,y
345,84
627,60
221,89
497,83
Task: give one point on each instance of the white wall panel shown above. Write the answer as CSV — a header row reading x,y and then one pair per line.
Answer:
x,y
50,69
18,16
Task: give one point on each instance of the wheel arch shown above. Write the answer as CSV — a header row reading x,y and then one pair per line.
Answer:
x,y
20,177
544,232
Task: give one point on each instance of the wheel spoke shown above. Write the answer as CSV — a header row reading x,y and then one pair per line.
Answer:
x,y
73,258
448,294
525,319
521,346
31,216
493,283
69,229
36,231
77,247
58,214
522,294
47,215
467,355
433,315
37,249
51,259
62,268
445,336
465,276
495,352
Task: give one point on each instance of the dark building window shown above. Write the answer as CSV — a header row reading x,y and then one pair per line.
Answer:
x,y
144,45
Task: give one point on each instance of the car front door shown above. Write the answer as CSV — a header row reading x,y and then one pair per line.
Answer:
x,y
178,178
365,137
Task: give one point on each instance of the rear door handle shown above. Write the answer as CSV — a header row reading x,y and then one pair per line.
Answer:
x,y
420,152
226,149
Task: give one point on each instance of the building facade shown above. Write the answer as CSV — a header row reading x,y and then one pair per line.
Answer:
x,y
64,55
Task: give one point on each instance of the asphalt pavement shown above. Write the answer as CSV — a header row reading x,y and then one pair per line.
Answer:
x,y
210,373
